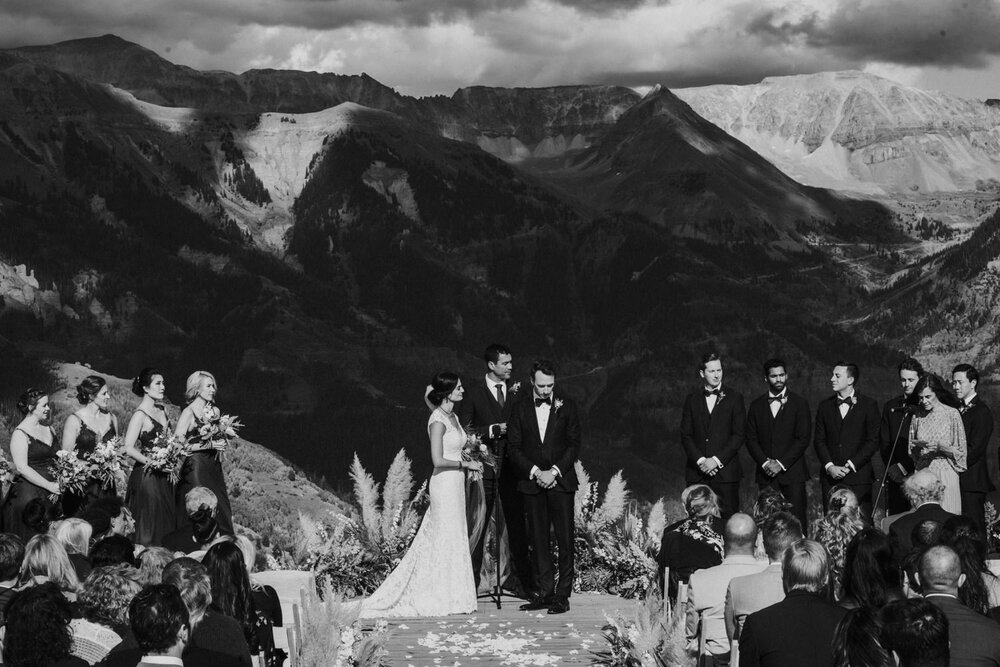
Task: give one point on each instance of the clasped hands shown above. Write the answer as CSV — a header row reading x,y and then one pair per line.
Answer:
x,y
838,472
545,479
772,468
708,466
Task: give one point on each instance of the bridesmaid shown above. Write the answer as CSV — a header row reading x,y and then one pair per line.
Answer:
x,y
204,466
31,448
149,495
84,429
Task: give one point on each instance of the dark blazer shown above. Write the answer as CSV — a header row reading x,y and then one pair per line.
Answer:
x,y
478,410
560,447
192,657
978,422
797,631
901,529
853,437
889,427
784,436
975,639
717,434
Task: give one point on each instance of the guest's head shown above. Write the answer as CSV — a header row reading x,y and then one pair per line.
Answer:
x,y
34,402
99,520
231,591
113,550
940,571
192,580
842,500
151,563
39,514
499,360
106,592
856,642
910,370
923,487
11,556
805,567
962,534
845,375
119,517
160,620
38,631
45,559
915,631
781,530
700,502
710,369
204,527
964,380
740,535
74,534
90,388
149,381
769,502
925,534
446,386
200,384
200,497
930,391
870,570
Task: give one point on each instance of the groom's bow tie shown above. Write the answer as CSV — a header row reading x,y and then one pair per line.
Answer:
x,y
540,401
711,392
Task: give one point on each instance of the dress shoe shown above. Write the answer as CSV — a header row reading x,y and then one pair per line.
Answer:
x,y
559,606
536,602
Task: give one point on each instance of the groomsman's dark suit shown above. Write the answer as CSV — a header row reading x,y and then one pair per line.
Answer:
x,y
853,438
477,412
547,508
783,437
718,434
975,481
895,421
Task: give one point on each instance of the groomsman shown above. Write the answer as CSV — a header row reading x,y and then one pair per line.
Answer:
x,y
846,437
544,439
894,437
978,421
778,430
485,411
712,424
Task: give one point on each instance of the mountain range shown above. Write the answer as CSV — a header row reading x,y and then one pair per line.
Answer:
x,y
324,244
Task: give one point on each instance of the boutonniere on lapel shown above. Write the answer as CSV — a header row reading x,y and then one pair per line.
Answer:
x,y
514,388
722,395
556,404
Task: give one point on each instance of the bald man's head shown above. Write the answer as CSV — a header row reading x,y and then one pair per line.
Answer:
x,y
940,571
740,534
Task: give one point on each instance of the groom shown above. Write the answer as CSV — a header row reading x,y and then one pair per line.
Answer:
x,y
543,436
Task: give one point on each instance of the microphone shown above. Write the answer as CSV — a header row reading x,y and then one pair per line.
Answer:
x,y
906,409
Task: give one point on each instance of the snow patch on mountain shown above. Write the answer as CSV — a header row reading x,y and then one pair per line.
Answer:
x,y
172,119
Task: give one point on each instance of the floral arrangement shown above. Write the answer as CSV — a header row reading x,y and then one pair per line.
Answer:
x,y
653,636
71,473
476,450
7,472
330,634
167,454
992,527
108,462
217,429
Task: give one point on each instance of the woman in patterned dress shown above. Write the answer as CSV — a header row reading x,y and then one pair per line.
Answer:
x,y
937,438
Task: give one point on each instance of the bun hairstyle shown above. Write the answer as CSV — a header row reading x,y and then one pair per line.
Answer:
x,y
194,383
441,387
143,380
28,401
88,389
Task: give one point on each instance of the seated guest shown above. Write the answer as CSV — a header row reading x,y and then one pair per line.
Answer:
x,y
695,542
112,550
210,630
798,630
856,643
981,589
74,534
160,624
39,514
924,491
753,592
872,576
99,520
769,502
151,563
924,535
916,632
836,529
11,557
707,597
104,599
264,596
201,529
122,522
37,631
45,560
975,639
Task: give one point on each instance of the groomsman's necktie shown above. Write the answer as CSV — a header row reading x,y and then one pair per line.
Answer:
x,y
499,388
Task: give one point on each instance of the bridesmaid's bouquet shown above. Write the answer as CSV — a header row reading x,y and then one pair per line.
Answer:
x,y
166,455
217,429
108,461
71,473
477,450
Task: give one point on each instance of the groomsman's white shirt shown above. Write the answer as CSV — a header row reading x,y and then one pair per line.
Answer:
x,y
542,414
491,386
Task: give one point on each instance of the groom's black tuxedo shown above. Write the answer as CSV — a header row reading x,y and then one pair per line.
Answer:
x,y
548,509
854,438
477,412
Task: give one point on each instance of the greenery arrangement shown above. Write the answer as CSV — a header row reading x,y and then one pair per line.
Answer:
x,y
330,634
651,636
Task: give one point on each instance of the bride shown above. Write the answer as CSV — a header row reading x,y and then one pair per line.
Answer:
x,y
434,578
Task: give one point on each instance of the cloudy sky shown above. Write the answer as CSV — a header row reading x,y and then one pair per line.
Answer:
x,y
423,47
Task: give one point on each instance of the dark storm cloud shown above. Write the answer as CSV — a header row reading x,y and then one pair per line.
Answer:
x,y
945,33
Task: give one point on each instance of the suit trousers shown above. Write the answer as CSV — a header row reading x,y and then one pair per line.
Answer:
x,y
551,512
729,496
794,493
974,507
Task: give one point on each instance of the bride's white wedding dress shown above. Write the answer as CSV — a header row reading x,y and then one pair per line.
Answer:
x,y
435,576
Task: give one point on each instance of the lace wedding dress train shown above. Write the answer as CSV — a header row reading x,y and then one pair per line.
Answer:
x,y
434,578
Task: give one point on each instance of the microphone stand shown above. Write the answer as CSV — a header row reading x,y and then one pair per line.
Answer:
x,y
889,463
496,592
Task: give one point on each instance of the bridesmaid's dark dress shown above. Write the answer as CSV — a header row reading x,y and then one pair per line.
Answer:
x,y
204,468
86,442
40,458
150,495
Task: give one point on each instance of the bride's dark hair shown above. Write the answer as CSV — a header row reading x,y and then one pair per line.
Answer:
x,y
441,387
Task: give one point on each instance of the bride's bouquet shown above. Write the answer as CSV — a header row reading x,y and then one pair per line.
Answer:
x,y
108,461
166,455
216,429
71,473
477,450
